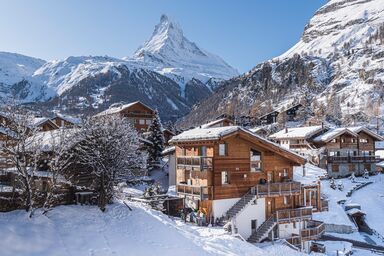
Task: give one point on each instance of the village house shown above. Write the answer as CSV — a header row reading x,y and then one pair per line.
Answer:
x,y
348,150
299,140
139,114
231,174
66,121
269,118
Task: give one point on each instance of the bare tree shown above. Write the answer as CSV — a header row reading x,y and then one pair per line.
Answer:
x,y
109,147
23,155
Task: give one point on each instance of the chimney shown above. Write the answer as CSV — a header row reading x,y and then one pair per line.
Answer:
x,y
322,125
286,130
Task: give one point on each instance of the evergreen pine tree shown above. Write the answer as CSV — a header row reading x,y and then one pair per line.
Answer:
x,y
155,135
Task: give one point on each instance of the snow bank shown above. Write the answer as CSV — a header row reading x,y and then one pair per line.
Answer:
x,y
85,230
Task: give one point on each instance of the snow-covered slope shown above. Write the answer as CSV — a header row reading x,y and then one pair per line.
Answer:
x,y
339,61
85,230
170,53
16,67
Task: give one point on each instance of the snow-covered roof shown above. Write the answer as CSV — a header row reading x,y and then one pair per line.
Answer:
x,y
215,122
36,121
168,150
216,133
353,211
312,174
70,119
113,109
333,133
297,132
204,133
46,140
358,129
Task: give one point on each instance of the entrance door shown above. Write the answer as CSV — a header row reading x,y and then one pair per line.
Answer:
x,y
253,226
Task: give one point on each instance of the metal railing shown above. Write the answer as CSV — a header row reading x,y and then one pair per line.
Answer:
x,y
200,163
277,189
203,192
289,215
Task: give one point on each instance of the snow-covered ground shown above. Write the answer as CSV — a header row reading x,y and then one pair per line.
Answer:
x,y
371,200
85,230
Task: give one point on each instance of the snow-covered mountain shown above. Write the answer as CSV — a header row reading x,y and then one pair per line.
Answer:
x,y
338,63
168,72
170,53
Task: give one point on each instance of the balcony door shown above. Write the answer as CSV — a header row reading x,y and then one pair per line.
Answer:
x,y
253,226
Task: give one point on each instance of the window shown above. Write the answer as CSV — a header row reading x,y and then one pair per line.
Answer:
x,y
269,177
222,149
142,121
285,173
224,177
353,140
365,153
255,160
334,140
363,140
203,151
148,121
286,200
335,168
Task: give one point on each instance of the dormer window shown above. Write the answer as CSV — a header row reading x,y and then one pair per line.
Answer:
x,y
255,157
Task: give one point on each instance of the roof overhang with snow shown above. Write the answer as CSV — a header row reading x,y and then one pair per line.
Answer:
x,y
220,133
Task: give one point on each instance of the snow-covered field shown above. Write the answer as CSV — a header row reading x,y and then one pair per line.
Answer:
x,y
85,230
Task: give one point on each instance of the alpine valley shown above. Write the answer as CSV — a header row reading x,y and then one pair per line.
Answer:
x,y
168,73
337,68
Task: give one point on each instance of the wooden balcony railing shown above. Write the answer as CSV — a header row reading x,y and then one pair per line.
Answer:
x,y
198,163
288,215
315,229
353,159
202,192
324,205
277,189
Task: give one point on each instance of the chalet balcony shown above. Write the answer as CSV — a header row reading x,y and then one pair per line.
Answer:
x,y
298,146
314,230
353,159
194,163
277,189
289,215
324,205
201,192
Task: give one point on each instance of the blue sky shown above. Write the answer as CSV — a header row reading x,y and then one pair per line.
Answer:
x,y
243,33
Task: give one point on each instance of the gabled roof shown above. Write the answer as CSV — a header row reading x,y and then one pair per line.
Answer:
x,y
333,133
117,109
297,132
358,129
273,111
69,119
218,133
215,122
37,121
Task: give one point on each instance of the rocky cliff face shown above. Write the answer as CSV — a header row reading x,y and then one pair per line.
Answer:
x,y
338,59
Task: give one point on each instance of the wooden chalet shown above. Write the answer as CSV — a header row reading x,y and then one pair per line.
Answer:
x,y
66,121
292,111
348,150
44,124
299,140
269,118
230,173
139,114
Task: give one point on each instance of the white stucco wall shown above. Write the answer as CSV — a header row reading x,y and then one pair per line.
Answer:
x,y
251,212
286,230
220,207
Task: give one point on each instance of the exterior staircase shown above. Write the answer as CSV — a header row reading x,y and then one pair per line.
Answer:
x,y
263,231
240,205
